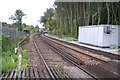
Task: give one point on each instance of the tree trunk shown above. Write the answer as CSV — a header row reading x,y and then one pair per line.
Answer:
x,y
99,14
108,13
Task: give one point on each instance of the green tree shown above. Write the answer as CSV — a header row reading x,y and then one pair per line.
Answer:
x,y
17,18
47,18
68,16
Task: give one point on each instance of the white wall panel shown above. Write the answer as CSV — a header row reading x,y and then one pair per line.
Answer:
x,y
95,35
119,35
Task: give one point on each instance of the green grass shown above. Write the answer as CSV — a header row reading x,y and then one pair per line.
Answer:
x,y
68,38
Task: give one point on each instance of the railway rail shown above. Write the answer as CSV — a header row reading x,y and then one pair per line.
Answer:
x,y
50,64
87,57
55,62
106,54
109,67
93,54
107,62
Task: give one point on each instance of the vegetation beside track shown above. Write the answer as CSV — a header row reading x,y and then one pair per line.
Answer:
x,y
65,38
9,58
24,58
66,17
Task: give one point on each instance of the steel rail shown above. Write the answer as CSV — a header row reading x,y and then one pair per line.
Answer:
x,y
54,48
81,52
107,54
40,55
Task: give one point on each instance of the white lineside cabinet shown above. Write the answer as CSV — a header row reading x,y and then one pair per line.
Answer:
x,y
100,35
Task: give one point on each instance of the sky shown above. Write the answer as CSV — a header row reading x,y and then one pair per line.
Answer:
x,y
32,8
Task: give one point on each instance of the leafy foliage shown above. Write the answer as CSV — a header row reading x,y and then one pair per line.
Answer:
x,y
9,60
24,54
5,67
24,63
17,18
15,57
47,17
24,58
0,37
5,42
21,38
66,17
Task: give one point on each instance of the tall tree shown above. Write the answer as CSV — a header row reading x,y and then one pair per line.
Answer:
x,y
46,19
17,18
69,15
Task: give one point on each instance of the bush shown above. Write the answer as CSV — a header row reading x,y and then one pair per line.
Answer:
x,y
21,38
5,43
5,67
12,47
0,37
24,58
9,58
15,57
4,54
24,54
9,61
24,63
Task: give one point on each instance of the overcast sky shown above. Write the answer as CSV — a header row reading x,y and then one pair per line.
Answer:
x,y
33,8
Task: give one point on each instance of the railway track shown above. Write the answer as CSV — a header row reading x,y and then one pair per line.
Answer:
x,y
105,54
106,61
80,54
93,54
56,63
24,73
47,64
111,73
35,71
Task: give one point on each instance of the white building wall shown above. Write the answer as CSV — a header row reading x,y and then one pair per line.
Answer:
x,y
90,35
99,41
112,38
95,35
119,35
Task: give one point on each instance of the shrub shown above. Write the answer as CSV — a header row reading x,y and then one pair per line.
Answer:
x,y
24,58
9,61
5,67
24,63
15,57
21,38
24,54
12,47
5,42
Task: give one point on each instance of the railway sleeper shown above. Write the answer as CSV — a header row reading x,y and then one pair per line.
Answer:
x,y
54,73
100,72
64,56
79,62
107,54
